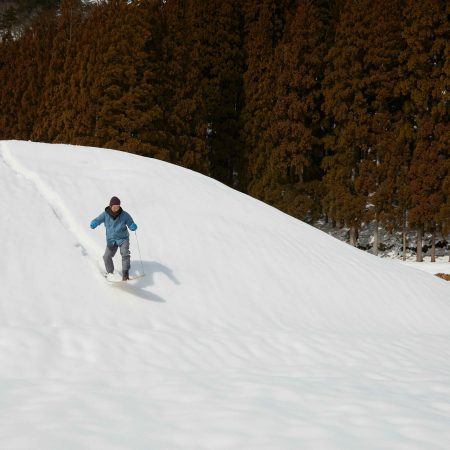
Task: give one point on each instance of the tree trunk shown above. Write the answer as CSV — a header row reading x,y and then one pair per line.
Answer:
x,y
353,235
419,256
404,238
433,246
448,247
376,238
404,244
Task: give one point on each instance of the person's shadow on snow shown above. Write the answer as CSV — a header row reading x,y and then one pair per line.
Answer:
x,y
137,287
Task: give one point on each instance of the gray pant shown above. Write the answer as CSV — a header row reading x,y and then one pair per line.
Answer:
x,y
111,251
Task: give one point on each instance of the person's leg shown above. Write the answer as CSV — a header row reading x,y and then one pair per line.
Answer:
x,y
125,252
108,258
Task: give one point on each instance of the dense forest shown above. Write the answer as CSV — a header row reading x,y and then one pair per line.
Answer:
x,y
324,109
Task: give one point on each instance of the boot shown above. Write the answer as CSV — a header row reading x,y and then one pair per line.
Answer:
x,y
125,275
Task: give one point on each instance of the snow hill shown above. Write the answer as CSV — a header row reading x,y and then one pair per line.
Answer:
x,y
250,330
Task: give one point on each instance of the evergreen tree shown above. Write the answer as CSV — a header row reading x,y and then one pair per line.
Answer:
x,y
121,55
379,168
143,117
8,21
7,108
78,103
296,123
217,53
54,122
347,105
441,114
265,23
426,32
24,74
186,108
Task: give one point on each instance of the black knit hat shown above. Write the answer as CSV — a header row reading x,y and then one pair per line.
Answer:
x,y
114,201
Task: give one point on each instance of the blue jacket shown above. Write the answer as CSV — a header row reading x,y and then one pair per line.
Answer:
x,y
116,227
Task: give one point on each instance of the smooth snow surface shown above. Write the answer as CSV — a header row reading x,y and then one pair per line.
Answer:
x,y
251,330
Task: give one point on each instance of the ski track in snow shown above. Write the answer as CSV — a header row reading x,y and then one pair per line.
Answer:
x,y
200,364
60,210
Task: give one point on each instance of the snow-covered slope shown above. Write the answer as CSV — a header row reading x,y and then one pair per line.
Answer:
x,y
250,329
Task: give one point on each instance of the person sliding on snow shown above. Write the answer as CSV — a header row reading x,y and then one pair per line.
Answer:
x,y
116,221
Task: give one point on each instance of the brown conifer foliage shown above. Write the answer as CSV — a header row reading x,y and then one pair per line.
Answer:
x,y
27,75
143,103
442,112
217,54
81,103
185,105
7,107
119,68
296,122
347,105
379,168
265,23
55,108
426,32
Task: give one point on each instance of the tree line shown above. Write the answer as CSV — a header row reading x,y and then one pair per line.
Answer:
x,y
323,109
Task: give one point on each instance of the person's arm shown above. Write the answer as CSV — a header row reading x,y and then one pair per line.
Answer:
x,y
130,223
98,220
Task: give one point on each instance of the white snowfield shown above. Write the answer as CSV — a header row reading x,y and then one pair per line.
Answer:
x,y
251,330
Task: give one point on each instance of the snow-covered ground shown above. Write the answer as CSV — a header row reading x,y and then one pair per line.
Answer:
x,y
250,330
441,265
